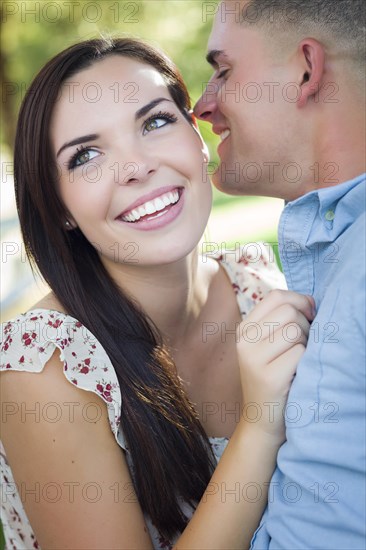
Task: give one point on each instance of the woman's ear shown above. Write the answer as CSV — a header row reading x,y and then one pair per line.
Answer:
x,y
70,223
313,61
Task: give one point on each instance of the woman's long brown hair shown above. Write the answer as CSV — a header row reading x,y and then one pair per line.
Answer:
x,y
171,457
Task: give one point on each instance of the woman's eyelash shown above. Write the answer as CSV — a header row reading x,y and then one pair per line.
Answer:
x,y
169,117
79,151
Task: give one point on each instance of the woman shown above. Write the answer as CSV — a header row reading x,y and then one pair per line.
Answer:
x,y
112,202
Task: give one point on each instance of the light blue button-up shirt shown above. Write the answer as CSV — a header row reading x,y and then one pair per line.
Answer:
x,y
317,494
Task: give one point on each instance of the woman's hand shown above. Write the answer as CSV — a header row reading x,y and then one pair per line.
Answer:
x,y
271,341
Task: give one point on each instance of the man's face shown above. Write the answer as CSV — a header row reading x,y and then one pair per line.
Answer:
x,y
251,102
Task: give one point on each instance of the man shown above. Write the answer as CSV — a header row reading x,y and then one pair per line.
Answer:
x,y
288,99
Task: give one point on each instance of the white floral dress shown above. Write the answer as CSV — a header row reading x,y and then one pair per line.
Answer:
x,y
29,341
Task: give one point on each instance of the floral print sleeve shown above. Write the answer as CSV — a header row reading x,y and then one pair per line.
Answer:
x,y
28,342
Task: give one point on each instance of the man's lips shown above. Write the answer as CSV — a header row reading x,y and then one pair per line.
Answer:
x,y
225,134
151,203
222,131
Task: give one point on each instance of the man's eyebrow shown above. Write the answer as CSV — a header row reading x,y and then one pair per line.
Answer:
x,y
212,55
144,110
77,141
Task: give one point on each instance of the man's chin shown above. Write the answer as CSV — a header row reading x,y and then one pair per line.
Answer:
x,y
227,181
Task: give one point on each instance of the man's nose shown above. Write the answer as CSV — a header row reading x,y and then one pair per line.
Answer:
x,y
207,103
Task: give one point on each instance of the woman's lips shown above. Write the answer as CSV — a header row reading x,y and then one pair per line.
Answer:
x,y
152,206
156,213
148,197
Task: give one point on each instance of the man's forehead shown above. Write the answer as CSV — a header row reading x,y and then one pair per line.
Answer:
x,y
226,24
230,11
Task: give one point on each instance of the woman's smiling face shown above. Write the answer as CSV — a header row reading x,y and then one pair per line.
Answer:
x,y
132,169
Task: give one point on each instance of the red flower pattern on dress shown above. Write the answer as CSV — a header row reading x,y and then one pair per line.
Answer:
x,y
55,324
84,366
105,390
7,343
28,338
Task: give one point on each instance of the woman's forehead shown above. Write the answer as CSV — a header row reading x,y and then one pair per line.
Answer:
x,y
120,69
105,94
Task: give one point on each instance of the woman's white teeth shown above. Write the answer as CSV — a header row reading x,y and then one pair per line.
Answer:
x,y
150,207
136,214
224,134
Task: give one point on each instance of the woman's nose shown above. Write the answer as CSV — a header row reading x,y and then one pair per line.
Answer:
x,y
138,170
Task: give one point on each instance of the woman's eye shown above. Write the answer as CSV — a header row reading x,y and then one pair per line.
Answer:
x,y
155,123
82,157
158,120
85,156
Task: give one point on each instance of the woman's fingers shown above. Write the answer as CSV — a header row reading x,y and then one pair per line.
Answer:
x,y
271,342
285,365
276,298
259,343
277,343
284,316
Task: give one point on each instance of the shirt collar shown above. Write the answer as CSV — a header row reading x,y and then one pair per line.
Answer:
x,y
341,203
330,196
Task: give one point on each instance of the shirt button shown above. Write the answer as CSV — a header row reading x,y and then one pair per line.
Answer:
x,y
329,216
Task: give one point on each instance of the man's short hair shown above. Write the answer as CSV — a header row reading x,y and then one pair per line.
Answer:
x,y
338,24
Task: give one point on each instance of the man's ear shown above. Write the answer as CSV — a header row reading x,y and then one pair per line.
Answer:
x,y
312,57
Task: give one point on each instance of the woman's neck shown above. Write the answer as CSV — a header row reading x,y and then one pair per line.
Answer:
x,y
173,295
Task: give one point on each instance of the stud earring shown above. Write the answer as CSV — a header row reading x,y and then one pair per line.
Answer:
x,y
68,224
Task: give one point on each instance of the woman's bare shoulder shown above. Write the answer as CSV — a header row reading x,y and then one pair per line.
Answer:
x,y
49,301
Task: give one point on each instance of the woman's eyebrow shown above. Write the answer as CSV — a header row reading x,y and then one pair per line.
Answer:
x,y
144,110
77,141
